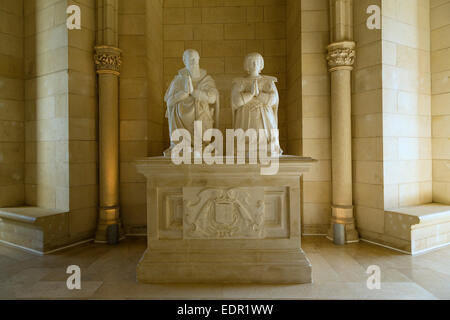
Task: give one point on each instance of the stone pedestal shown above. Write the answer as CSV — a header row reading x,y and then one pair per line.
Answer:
x,y
224,223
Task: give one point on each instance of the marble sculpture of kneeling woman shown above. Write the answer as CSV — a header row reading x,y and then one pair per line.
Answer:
x,y
255,101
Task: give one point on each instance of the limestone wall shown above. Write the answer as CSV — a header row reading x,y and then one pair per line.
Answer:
x,y
392,150
141,102
406,103
46,104
12,147
158,139
61,113
440,66
224,32
315,115
367,124
82,115
294,77
134,111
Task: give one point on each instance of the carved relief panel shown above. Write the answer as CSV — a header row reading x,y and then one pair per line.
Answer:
x,y
221,213
170,204
276,215
216,213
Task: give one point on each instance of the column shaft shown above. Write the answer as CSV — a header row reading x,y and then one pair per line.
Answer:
x,y
340,59
108,62
108,154
341,137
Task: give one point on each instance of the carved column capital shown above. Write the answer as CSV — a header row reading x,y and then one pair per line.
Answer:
x,y
108,60
341,55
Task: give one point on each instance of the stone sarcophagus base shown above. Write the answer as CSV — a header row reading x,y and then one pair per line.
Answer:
x,y
224,223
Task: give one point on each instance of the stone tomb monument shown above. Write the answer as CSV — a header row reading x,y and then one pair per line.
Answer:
x,y
224,223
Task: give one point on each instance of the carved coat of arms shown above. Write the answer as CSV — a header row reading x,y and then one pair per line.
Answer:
x,y
236,213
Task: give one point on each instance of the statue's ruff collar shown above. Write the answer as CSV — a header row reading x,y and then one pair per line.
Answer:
x,y
260,78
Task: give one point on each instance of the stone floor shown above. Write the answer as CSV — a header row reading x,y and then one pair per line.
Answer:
x,y
339,273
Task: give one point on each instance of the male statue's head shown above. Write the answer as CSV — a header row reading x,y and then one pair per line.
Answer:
x,y
191,59
254,64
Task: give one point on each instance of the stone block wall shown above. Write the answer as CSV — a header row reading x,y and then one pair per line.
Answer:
x,y
393,150
142,108
82,143
367,124
406,103
440,108
158,141
46,104
315,115
134,111
61,113
12,126
294,77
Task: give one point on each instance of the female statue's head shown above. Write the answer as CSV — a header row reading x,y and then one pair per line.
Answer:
x,y
191,59
254,63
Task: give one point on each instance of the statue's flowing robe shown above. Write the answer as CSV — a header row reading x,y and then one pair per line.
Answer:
x,y
259,112
182,111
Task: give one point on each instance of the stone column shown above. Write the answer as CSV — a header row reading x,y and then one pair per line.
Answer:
x,y
341,56
108,61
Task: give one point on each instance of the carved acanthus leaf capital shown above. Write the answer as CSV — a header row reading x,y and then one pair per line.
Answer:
x,y
341,55
108,60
